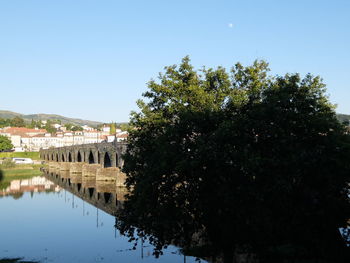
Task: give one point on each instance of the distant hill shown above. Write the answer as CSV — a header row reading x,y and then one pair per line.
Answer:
x,y
64,120
9,114
343,117
42,116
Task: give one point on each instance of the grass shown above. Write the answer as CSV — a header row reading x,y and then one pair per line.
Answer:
x,y
32,155
19,172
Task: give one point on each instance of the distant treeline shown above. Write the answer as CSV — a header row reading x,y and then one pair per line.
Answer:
x,y
14,122
20,122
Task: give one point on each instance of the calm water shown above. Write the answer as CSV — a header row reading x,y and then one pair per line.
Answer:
x,y
41,221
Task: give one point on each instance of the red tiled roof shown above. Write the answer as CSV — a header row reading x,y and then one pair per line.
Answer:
x,y
22,131
123,135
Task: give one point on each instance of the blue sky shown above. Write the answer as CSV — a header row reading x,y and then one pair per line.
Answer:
x,y
92,59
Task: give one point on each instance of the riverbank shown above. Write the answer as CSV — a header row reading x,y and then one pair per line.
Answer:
x,y
32,155
19,172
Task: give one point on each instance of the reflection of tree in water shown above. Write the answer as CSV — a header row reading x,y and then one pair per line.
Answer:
x,y
17,195
16,260
1,175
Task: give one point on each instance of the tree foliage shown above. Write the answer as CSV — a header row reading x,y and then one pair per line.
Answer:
x,y
77,128
49,126
239,161
68,126
35,124
113,127
124,126
5,143
15,122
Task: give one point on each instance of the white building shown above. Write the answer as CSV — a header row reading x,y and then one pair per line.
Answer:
x,y
87,128
106,129
122,136
15,134
25,139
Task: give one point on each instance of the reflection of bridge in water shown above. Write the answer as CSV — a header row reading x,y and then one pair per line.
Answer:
x,y
105,195
101,187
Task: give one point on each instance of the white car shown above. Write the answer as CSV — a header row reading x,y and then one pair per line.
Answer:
x,y
22,160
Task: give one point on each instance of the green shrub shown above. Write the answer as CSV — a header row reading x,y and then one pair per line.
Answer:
x,y
7,163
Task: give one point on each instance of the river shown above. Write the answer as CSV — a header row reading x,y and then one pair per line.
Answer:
x,y
53,219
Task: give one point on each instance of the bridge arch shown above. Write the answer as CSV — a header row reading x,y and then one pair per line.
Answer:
x,y
107,197
79,157
62,157
107,162
116,160
91,158
70,157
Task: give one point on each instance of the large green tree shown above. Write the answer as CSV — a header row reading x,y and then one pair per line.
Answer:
x,y
5,143
239,161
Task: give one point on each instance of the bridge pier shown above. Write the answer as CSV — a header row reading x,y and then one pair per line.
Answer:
x,y
121,193
90,170
76,168
64,174
64,166
88,182
107,190
121,177
76,178
105,187
107,174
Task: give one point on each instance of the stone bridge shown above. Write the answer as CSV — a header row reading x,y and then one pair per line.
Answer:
x,y
97,162
104,154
